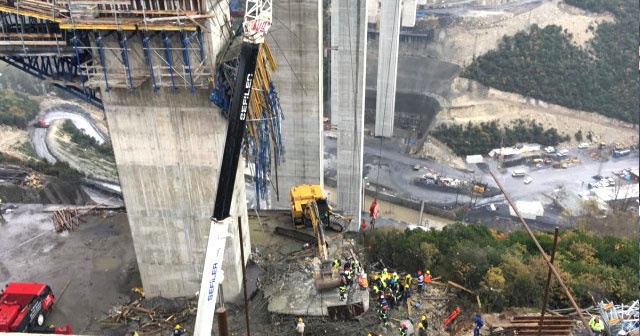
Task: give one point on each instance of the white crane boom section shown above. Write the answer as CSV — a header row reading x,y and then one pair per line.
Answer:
x,y
257,20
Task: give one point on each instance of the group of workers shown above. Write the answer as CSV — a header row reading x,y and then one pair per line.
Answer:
x,y
397,290
390,290
350,269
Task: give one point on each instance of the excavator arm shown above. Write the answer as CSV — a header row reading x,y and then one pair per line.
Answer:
x,y
318,228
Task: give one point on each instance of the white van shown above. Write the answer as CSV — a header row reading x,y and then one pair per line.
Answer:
x,y
518,173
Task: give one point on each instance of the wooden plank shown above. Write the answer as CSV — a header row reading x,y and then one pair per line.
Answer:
x,y
95,2
38,36
67,24
29,43
35,3
38,9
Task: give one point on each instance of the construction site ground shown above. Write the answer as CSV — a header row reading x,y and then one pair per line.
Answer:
x,y
92,270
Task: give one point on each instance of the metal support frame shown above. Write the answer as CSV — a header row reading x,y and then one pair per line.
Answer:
x,y
167,53
75,40
147,53
278,116
122,39
221,91
185,52
52,67
99,42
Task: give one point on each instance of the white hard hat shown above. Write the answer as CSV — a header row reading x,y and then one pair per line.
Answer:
x,y
384,270
394,273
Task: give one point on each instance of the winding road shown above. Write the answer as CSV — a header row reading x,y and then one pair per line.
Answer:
x,y
77,115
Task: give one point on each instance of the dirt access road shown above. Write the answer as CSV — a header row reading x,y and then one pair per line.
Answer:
x,y
90,270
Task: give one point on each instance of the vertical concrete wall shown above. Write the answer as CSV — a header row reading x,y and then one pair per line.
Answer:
x,y
168,147
387,67
409,9
295,40
372,11
348,64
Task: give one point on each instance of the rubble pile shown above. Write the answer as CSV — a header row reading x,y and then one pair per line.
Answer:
x,y
155,316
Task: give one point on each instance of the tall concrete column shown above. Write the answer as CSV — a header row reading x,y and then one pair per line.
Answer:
x,y
168,148
348,64
295,40
372,11
387,67
409,10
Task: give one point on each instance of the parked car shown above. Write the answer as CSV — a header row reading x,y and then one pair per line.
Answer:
x,y
518,173
583,145
527,180
549,149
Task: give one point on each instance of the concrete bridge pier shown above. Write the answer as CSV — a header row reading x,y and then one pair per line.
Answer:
x,y
168,149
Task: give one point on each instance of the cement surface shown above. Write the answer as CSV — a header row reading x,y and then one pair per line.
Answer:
x,y
90,270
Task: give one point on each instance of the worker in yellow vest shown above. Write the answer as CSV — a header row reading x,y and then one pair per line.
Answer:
x,y
407,279
384,276
596,325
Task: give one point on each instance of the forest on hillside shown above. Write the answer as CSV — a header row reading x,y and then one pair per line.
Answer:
x,y
507,270
17,109
480,138
544,64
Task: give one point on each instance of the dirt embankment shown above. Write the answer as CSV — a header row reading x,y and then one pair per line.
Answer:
x,y
472,101
14,141
53,191
480,31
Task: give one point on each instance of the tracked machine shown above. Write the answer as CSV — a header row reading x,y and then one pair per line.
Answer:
x,y
309,208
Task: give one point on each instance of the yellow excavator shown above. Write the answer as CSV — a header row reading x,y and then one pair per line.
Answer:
x,y
309,208
302,197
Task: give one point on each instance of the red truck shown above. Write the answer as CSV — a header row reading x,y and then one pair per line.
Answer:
x,y
41,124
24,307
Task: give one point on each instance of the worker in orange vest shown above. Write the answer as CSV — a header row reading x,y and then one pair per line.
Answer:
x,y
362,279
427,279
